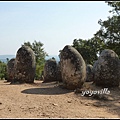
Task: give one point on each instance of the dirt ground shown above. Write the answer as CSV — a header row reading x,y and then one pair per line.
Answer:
x,y
49,100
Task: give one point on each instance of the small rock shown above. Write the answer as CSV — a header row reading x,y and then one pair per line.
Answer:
x,y
87,104
54,104
69,101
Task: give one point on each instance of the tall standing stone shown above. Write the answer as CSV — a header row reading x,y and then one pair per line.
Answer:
x,y
89,73
73,68
50,70
25,65
10,70
107,69
59,75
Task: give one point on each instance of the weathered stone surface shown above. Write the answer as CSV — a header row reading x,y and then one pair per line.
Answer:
x,y
73,68
24,65
10,70
59,75
107,69
50,70
89,73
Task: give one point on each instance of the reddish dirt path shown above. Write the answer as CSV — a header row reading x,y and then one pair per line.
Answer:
x,y
48,100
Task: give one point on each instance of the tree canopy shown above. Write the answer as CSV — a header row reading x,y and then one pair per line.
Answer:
x,y
3,70
110,29
38,49
40,54
108,37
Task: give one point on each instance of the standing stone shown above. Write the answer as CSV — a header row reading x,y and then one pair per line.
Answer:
x,y
89,73
107,69
73,68
10,70
25,65
50,70
59,75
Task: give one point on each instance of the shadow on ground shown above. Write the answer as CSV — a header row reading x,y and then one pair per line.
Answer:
x,y
47,89
109,101
113,105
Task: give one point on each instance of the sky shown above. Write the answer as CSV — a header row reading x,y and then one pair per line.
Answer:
x,y
55,24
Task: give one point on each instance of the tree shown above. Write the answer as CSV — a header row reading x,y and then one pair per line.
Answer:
x,y
38,50
108,37
110,29
83,47
40,54
115,5
89,49
3,70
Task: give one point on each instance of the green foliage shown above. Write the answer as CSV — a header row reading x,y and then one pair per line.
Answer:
x,y
3,70
40,54
108,37
39,69
110,29
38,50
115,5
89,49
82,46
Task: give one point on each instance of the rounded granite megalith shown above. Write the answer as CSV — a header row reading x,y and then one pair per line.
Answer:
x,y
59,76
25,65
73,68
107,69
10,70
50,70
89,73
